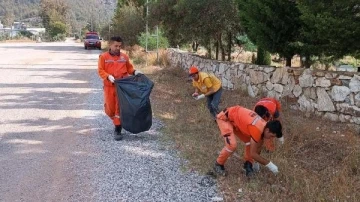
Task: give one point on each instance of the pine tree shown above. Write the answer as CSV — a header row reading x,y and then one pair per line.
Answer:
x,y
272,24
330,27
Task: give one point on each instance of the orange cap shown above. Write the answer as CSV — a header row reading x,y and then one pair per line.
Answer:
x,y
193,70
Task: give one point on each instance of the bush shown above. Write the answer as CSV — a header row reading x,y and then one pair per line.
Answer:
x,y
244,41
25,33
263,57
163,41
57,29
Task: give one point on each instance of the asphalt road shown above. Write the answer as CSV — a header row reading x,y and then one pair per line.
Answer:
x,y
43,112
56,143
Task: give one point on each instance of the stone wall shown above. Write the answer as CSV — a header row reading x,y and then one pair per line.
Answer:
x,y
333,95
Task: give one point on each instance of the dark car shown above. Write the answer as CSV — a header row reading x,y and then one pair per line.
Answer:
x,y
92,41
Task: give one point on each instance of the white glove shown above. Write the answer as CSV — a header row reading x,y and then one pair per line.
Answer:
x,y
200,97
281,140
256,166
137,72
195,95
111,78
272,167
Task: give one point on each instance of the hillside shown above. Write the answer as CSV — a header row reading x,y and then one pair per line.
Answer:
x,y
78,15
14,10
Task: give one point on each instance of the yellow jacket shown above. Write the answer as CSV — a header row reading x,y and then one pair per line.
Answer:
x,y
207,81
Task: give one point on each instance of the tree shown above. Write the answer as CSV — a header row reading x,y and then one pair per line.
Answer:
x,y
8,18
128,23
330,27
208,22
53,14
272,24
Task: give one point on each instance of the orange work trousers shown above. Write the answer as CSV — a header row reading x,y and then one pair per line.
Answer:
x,y
111,105
229,133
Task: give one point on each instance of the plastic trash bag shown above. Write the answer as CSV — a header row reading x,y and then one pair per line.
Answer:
x,y
133,94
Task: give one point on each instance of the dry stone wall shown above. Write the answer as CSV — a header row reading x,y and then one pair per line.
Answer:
x,y
332,95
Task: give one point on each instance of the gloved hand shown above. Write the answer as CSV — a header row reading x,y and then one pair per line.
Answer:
x,y
281,140
256,166
200,97
137,72
111,78
272,167
195,95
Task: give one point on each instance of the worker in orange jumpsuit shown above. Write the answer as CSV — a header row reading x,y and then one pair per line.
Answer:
x,y
269,109
113,65
206,86
251,129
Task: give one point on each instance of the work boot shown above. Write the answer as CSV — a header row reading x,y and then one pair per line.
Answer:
x,y
248,168
117,133
219,169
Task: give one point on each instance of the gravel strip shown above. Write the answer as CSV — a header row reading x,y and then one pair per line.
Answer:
x,y
139,168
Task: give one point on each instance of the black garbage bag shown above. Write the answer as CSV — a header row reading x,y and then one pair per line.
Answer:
x,y
133,94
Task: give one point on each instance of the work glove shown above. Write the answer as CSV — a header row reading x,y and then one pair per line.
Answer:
x,y
272,167
111,78
281,140
256,166
195,95
137,72
200,97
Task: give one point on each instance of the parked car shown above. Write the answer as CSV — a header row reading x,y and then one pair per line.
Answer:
x,y
92,40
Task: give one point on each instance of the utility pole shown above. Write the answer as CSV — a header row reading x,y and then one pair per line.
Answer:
x,y
157,43
146,36
109,31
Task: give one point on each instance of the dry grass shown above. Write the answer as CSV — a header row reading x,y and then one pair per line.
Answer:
x,y
25,40
141,58
316,164
320,160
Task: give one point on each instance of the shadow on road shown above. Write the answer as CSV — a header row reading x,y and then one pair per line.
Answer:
x,y
52,47
72,88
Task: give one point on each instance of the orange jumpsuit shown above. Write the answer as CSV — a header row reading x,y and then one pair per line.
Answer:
x,y
274,108
118,66
243,123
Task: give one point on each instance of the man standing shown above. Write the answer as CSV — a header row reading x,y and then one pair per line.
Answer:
x,y
250,129
269,109
209,86
114,65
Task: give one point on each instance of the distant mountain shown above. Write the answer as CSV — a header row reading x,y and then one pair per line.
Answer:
x,y
14,10
81,12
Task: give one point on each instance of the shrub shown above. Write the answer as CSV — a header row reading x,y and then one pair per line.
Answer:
x,y
163,41
263,57
244,41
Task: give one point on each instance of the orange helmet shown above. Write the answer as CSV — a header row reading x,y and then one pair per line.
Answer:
x,y
193,70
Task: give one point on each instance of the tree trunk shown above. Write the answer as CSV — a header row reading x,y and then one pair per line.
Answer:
x,y
222,49
195,46
217,49
229,45
288,62
307,62
209,48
